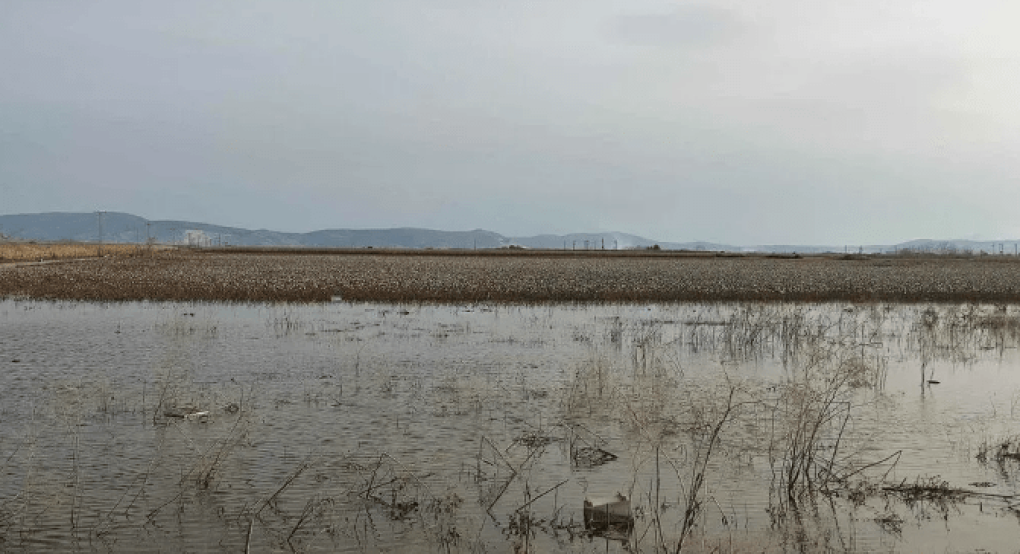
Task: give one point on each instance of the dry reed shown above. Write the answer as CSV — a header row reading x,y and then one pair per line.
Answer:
x,y
35,252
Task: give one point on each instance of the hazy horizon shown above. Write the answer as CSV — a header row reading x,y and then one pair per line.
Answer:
x,y
722,121
41,226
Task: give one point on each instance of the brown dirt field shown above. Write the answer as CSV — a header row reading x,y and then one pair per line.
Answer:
x,y
257,275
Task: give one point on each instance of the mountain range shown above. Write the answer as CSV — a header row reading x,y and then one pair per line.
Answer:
x,y
117,227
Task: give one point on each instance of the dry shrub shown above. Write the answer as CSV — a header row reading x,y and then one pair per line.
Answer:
x,y
810,413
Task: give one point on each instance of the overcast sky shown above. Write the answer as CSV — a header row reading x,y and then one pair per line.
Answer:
x,y
743,122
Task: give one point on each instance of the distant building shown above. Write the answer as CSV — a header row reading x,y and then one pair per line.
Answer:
x,y
197,238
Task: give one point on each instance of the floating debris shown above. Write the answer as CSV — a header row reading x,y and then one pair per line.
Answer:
x,y
602,513
890,523
589,456
533,440
186,412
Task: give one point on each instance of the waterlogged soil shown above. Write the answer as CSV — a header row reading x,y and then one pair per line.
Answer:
x,y
171,427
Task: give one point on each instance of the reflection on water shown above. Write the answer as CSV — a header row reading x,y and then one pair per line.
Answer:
x,y
362,428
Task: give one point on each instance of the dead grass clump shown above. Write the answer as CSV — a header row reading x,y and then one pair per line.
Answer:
x,y
934,491
955,332
593,389
1006,448
863,373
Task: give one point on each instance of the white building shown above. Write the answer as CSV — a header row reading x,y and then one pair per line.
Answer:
x,y
197,238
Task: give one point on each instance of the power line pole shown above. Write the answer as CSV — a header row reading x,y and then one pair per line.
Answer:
x,y
99,218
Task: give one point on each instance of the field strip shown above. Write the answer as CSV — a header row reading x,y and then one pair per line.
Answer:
x,y
4,265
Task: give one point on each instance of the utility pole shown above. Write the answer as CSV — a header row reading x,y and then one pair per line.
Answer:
x,y
99,218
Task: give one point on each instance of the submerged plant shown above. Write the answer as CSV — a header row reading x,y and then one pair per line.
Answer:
x,y
1005,448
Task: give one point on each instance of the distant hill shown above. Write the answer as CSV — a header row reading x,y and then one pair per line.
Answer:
x,y
128,228
122,227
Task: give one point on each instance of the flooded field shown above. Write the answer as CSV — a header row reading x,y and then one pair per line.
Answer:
x,y
737,427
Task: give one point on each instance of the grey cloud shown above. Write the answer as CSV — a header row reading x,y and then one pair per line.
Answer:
x,y
683,26
733,121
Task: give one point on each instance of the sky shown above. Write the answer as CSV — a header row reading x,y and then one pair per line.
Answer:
x,y
738,122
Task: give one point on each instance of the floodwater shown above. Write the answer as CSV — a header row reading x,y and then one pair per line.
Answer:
x,y
482,428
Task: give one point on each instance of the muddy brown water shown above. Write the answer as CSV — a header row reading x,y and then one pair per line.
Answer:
x,y
406,428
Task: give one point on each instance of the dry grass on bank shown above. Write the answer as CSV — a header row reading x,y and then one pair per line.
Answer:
x,y
34,252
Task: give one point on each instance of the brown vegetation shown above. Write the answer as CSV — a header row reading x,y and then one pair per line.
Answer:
x,y
528,276
35,252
